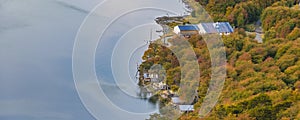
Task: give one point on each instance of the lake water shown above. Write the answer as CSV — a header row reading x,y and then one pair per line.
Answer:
x,y
36,45
118,54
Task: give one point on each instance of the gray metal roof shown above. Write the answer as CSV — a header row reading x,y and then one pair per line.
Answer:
x,y
218,27
186,108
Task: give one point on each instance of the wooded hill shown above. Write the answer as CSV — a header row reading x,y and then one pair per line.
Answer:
x,y
263,79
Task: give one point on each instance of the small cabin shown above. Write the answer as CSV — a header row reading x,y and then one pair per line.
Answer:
x,y
147,77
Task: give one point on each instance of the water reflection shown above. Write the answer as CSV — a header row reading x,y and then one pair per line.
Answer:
x,y
136,39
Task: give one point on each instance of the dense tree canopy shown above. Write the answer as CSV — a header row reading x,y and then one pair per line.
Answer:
x,y
263,79
238,12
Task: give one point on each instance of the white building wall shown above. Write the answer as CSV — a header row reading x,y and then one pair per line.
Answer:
x,y
201,29
176,30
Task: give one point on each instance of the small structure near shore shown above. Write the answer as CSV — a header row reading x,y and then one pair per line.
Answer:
x,y
186,108
148,77
186,30
222,28
181,106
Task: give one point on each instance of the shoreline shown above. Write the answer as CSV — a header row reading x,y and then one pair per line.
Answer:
x,y
163,96
164,22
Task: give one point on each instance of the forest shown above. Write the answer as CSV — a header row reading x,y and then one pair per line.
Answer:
x,y
263,79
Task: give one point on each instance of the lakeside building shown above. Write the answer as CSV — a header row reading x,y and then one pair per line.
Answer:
x,y
186,30
186,108
148,77
175,100
223,28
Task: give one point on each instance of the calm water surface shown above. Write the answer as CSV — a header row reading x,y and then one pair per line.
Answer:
x,y
36,42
